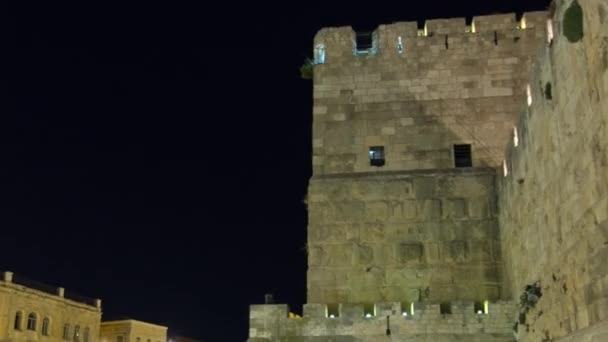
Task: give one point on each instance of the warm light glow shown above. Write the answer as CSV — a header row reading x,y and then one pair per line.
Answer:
x,y
529,95
473,27
505,170
426,33
549,31
486,305
412,308
522,23
515,137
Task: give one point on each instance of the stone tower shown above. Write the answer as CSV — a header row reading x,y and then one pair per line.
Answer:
x,y
407,133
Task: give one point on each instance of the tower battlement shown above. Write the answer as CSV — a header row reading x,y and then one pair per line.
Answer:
x,y
406,40
272,322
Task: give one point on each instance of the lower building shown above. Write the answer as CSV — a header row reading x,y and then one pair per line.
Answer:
x,y
130,330
36,312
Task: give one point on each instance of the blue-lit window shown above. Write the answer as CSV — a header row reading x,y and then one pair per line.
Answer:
x,y
320,54
376,156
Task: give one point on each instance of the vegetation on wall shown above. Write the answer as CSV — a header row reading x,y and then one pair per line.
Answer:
x,y
527,301
573,22
306,70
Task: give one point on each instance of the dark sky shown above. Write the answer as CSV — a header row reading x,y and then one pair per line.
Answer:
x,y
157,156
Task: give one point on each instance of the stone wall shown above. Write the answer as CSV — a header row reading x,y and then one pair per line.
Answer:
x,y
554,200
447,86
403,236
426,323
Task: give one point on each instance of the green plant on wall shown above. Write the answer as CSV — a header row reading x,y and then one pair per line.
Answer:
x,y
306,70
573,22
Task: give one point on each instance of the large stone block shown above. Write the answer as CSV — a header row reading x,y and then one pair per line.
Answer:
x,y
410,252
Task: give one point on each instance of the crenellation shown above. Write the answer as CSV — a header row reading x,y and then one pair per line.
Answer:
x,y
354,319
434,27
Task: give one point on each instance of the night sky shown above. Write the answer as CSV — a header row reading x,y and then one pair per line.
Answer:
x,y
157,156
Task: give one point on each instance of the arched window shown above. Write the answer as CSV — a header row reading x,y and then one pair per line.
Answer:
x,y
320,54
45,326
31,321
85,337
18,320
77,333
66,332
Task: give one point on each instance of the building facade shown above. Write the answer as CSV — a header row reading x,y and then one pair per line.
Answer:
x,y
130,330
31,311
460,182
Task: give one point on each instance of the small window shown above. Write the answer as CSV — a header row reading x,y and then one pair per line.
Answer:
x,y
529,95
515,137
320,54
85,335
120,338
549,31
399,45
66,332
462,156
366,43
76,333
45,326
31,322
445,308
376,156
18,320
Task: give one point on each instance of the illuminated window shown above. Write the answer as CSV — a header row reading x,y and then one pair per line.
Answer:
x,y
45,326
369,310
31,322
549,31
320,54
529,95
515,137
462,155
66,332
332,311
85,335
76,333
445,308
522,24
18,320
505,168
473,29
376,156
399,44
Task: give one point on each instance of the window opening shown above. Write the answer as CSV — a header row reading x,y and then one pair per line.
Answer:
x,y
462,155
376,156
